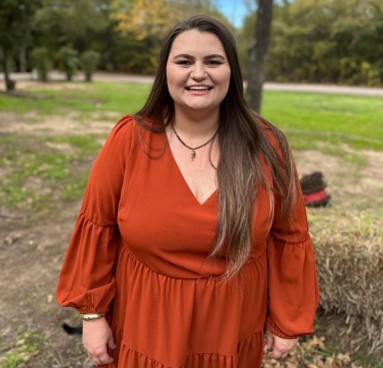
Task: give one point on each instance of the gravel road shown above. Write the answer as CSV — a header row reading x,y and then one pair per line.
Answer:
x,y
317,88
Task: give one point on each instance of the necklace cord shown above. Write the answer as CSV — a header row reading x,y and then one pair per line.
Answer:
x,y
193,149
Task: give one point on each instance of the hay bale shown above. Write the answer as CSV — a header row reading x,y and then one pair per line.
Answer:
x,y
349,255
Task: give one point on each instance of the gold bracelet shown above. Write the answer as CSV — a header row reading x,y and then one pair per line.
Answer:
x,y
92,316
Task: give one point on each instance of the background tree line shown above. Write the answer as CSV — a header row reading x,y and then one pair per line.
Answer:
x,y
321,41
111,35
324,41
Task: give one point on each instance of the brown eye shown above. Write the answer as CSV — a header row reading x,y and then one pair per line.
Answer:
x,y
214,62
183,62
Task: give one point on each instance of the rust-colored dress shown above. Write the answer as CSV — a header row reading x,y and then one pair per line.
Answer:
x,y
139,252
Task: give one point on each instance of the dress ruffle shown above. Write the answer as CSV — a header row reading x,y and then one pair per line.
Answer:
x,y
292,269
98,244
196,336
248,356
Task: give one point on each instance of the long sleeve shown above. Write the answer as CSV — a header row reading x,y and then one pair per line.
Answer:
x,y
86,281
292,280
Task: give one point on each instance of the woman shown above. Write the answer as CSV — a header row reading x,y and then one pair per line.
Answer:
x,y
192,236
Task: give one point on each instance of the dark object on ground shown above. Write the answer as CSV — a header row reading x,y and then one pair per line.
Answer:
x,y
314,192
76,330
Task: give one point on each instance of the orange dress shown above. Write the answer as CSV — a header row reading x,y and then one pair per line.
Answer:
x,y
139,252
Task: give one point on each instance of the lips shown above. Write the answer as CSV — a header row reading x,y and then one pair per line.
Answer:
x,y
198,88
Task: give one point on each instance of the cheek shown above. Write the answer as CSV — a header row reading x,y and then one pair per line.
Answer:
x,y
227,77
170,82
223,77
174,76
224,80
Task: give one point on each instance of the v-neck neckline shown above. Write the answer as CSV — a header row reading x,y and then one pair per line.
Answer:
x,y
184,181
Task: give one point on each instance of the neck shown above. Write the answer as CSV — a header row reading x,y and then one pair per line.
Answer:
x,y
196,125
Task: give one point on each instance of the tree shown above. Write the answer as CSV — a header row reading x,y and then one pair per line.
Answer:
x,y
41,61
258,53
89,61
15,21
70,22
68,61
143,18
142,24
327,41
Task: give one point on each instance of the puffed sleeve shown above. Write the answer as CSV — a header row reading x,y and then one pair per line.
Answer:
x,y
292,280
86,281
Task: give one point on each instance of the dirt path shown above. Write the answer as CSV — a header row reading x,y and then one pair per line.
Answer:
x,y
301,87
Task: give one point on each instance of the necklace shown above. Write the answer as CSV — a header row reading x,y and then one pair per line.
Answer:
x,y
193,149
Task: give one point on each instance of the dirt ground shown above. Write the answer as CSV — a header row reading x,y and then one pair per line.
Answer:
x,y
31,254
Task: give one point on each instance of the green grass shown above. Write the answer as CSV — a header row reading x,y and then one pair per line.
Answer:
x,y
85,145
35,172
311,121
25,347
309,118
98,97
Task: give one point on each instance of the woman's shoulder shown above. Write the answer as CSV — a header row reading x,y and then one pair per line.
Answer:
x,y
125,129
132,132
131,122
125,124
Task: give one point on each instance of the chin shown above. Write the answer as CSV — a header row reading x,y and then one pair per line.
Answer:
x,y
202,106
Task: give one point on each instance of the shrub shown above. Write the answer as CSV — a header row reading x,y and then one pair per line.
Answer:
x,y
89,62
41,60
68,61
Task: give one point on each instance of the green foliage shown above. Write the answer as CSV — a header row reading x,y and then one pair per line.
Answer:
x,y
68,61
15,20
325,41
15,32
41,60
153,18
89,62
63,22
137,57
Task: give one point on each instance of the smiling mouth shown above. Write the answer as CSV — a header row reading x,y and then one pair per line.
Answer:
x,y
199,88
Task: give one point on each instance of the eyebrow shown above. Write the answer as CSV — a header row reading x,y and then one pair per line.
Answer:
x,y
212,56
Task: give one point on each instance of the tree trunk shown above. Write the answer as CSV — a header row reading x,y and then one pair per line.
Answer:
x,y
258,54
9,84
23,59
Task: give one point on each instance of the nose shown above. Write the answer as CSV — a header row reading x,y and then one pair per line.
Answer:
x,y
198,71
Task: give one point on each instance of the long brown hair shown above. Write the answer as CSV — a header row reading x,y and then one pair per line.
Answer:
x,y
241,143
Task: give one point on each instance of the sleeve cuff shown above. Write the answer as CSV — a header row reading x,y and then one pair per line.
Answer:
x,y
275,330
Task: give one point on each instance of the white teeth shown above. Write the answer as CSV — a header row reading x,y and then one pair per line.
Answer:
x,y
199,88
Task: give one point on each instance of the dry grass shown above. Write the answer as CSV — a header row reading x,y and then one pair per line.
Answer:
x,y
349,251
313,353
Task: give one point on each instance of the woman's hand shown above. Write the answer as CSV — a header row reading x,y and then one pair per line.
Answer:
x,y
97,337
277,347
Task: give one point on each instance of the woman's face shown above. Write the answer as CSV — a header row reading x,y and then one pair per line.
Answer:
x,y
197,71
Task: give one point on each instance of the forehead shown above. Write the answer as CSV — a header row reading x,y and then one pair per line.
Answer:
x,y
197,42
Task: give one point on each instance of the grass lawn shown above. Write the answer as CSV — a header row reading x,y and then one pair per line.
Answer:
x,y
82,98
307,118
310,121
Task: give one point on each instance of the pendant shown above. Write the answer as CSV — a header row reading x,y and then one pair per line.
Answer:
x,y
193,154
